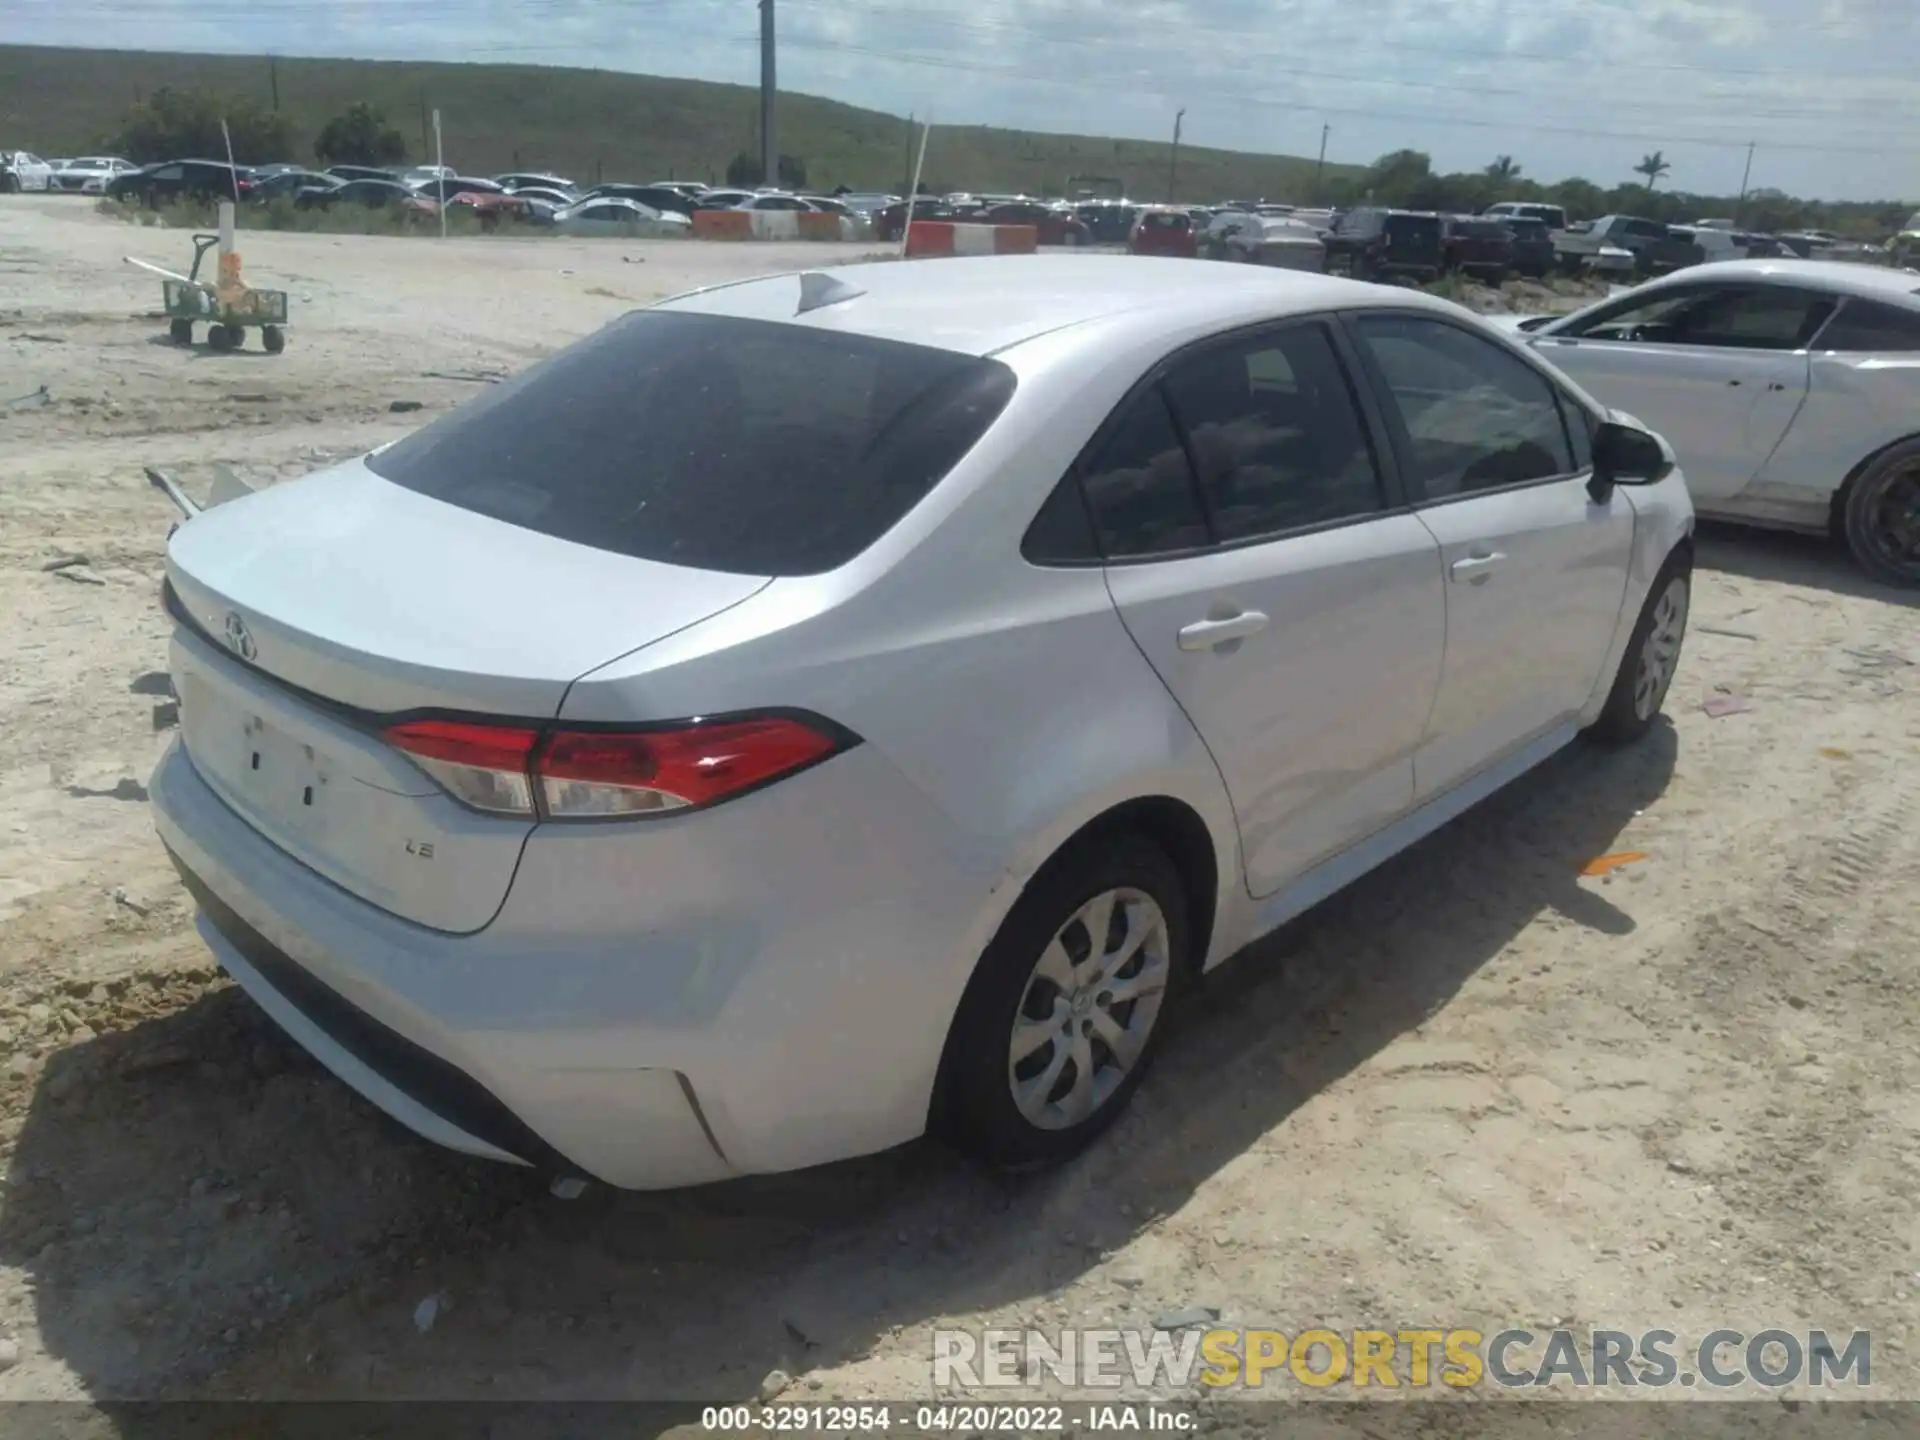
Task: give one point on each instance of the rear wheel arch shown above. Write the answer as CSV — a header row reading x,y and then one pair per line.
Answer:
x,y
1177,829
1140,837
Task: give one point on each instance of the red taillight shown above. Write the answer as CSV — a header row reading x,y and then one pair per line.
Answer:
x,y
484,766
592,774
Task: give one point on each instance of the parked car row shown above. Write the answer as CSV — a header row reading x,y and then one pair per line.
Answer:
x,y
21,170
661,208
1529,238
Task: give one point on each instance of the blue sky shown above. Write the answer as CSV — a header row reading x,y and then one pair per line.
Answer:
x,y
1825,87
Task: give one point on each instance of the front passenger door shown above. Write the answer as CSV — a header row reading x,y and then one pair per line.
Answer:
x,y
1497,464
1719,370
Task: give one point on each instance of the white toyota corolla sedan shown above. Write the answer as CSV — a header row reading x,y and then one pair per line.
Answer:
x,y
1789,388
821,708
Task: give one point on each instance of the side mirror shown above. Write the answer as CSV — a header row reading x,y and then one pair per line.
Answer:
x,y
1628,455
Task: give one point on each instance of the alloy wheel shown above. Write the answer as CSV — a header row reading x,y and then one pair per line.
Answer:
x,y
1893,522
1089,1007
1660,651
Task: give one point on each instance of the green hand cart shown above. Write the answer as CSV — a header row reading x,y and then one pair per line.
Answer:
x,y
188,301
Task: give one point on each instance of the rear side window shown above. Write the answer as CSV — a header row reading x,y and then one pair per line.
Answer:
x,y
709,441
1140,487
1413,227
1276,437
1770,317
1475,417
1864,325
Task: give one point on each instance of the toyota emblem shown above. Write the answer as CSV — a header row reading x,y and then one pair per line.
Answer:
x,y
239,638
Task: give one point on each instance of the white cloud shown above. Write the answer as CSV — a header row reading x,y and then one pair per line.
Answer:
x,y
1566,86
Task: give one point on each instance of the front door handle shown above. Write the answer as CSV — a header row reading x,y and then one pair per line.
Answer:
x,y
1206,634
1475,568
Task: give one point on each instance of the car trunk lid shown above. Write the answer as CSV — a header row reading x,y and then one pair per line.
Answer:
x,y
310,615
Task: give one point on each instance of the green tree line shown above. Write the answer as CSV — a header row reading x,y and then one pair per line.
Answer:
x,y
1406,179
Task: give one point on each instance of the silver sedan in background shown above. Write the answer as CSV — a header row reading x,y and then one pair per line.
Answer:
x,y
1790,390
607,216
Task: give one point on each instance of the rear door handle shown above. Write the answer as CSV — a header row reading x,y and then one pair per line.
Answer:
x,y
1475,568
1206,634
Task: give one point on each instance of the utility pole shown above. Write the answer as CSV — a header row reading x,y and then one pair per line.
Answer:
x,y
769,144
1173,163
273,78
906,163
1320,165
1740,205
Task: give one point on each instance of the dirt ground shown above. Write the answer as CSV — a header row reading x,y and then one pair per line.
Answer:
x,y
1477,1089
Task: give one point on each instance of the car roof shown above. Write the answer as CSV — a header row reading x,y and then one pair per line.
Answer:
x,y
981,305
1867,281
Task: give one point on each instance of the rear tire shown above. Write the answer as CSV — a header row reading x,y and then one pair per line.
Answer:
x,y
1059,1025
274,338
181,332
1652,656
1880,519
219,338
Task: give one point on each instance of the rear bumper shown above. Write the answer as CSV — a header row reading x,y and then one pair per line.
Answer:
x,y
413,1084
637,1013
290,938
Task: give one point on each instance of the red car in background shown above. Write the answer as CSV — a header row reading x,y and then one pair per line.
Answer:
x,y
1478,245
1055,226
1164,232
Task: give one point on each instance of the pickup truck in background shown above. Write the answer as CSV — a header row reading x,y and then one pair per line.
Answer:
x,y
1905,249
1624,245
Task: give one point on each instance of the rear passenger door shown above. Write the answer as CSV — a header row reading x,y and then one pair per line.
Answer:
x,y
1265,570
1497,463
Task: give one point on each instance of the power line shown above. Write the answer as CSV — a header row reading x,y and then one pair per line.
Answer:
x,y
1662,137
443,11
1370,38
999,27
446,10
553,14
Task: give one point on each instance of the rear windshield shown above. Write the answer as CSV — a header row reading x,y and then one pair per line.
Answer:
x,y
1481,229
1525,229
1413,227
720,443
